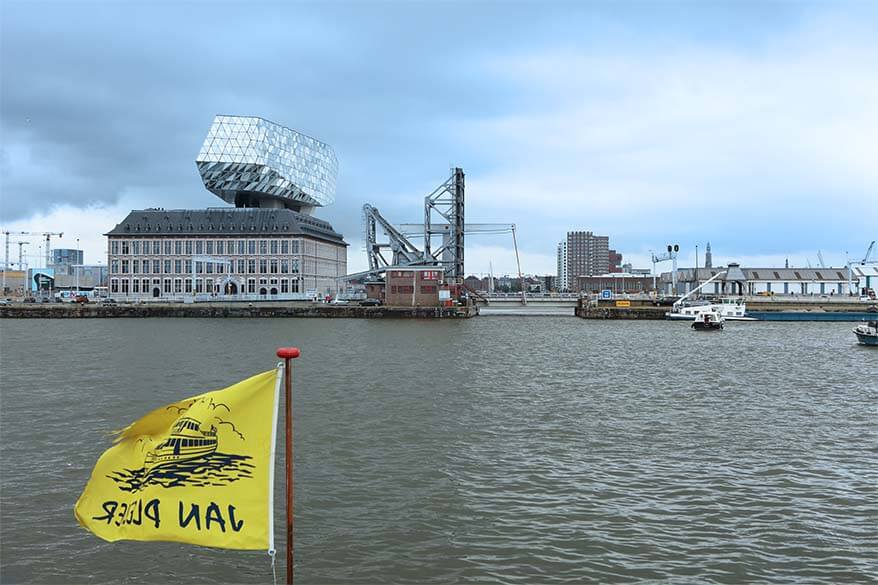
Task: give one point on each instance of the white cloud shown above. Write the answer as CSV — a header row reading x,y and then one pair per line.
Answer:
x,y
777,141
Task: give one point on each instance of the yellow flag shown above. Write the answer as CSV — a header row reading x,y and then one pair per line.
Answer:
x,y
199,471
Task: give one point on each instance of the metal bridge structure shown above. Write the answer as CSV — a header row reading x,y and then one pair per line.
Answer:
x,y
443,234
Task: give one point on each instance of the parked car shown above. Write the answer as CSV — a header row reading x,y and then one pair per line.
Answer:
x,y
370,302
5,302
339,302
30,300
108,301
81,299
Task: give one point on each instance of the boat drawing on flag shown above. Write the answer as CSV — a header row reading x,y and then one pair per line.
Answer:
x,y
186,442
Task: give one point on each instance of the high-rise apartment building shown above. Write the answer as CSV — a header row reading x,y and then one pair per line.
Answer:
x,y
587,255
562,267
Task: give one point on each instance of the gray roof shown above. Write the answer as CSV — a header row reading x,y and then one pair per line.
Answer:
x,y
763,274
225,221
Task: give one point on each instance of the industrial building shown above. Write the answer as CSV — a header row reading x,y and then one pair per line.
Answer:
x,y
268,246
771,281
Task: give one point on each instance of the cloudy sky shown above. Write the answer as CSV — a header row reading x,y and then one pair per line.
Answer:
x,y
752,125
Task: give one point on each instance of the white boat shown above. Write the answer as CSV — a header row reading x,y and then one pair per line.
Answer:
x,y
708,321
867,333
731,309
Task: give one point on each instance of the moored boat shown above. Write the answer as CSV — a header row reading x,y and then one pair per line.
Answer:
x,y
708,321
867,333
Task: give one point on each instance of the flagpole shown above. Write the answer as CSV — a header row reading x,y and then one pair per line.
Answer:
x,y
288,354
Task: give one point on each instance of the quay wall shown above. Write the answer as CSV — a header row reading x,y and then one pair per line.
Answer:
x,y
235,310
647,310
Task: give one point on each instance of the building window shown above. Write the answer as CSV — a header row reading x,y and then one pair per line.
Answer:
x,y
786,288
198,267
273,264
199,285
124,286
251,266
294,247
428,289
178,266
251,285
208,247
199,247
135,286
285,247
178,247
263,247
145,283
156,266
188,246
187,285
284,285
135,248
156,245
167,288
284,266
251,247
240,247
114,267
209,266
273,246
220,247
188,266
294,265
241,267
114,285
135,266
178,285
405,289
126,247
125,266
220,267
167,266
263,266
114,247
294,286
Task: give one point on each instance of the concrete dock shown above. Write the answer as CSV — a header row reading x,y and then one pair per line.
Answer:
x,y
223,309
802,309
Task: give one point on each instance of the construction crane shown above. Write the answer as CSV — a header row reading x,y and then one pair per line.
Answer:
x,y
820,259
21,246
47,235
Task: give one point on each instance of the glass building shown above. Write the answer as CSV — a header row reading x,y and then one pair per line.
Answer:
x,y
268,246
252,162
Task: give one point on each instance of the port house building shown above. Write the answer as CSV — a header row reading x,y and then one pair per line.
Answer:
x,y
224,253
767,281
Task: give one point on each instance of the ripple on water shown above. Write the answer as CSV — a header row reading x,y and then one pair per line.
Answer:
x,y
514,450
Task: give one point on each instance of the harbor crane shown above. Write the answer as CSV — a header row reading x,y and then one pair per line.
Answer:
x,y
47,235
866,260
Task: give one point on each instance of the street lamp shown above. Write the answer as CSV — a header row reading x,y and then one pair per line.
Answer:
x,y
76,267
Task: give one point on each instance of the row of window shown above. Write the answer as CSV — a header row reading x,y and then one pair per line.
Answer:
x,y
240,266
403,289
179,247
158,287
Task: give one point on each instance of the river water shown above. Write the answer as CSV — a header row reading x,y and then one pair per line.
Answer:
x,y
493,450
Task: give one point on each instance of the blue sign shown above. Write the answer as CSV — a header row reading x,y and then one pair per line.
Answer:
x,y
606,294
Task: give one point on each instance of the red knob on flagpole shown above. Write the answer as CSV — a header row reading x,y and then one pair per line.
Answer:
x,y
288,352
